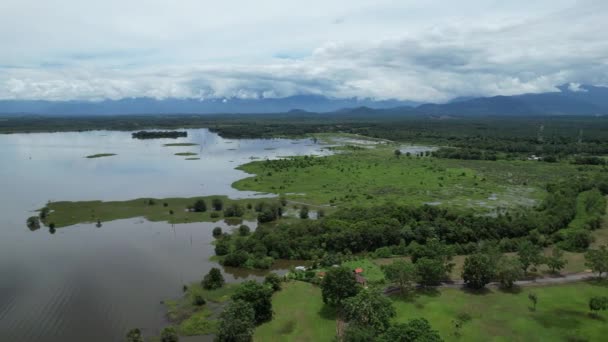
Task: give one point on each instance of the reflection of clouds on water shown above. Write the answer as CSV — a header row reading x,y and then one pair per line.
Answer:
x,y
58,170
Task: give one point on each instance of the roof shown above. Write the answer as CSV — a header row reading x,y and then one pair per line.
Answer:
x,y
358,270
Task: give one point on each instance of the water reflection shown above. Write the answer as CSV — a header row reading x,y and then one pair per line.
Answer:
x,y
94,282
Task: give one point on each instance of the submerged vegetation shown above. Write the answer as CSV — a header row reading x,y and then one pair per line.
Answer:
x,y
159,134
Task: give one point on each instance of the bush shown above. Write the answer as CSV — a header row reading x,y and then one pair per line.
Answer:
x,y
236,259
217,204
274,281
217,232
222,248
244,230
169,334
215,214
198,300
234,210
199,206
213,280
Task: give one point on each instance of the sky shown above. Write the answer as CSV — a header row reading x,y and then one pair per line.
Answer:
x,y
425,51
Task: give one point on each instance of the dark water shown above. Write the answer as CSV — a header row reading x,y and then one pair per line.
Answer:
x,y
93,284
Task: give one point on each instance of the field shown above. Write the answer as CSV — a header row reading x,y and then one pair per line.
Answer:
x,y
299,315
562,314
371,176
64,214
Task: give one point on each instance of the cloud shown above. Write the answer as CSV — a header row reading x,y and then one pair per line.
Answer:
x,y
409,50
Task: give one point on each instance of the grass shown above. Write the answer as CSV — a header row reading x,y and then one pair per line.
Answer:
x,y
299,315
100,155
70,213
192,320
373,176
371,271
562,313
180,144
186,154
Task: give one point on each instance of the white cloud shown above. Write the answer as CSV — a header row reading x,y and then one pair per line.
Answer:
x,y
423,51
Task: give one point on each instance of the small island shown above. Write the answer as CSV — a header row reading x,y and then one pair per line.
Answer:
x,y
159,134
180,144
100,155
186,154
193,158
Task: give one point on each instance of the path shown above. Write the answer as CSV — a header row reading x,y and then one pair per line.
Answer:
x,y
568,278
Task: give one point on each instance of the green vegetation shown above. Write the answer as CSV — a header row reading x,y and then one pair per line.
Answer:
x,y
371,271
158,134
69,213
185,154
193,158
100,155
299,315
180,144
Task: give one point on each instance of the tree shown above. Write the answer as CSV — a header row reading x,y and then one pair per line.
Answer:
x,y
235,259
529,254
430,272
236,322
509,270
274,281
244,230
217,204
169,334
217,232
33,223
402,274
213,280
304,212
597,260
369,308
534,299
397,153
259,296
478,271
198,300
338,284
234,210
416,330
134,335
597,304
199,206
357,333
556,261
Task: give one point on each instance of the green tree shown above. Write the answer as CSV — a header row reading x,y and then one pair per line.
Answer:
x,y
217,232
199,206
234,210
416,330
169,334
244,230
236,322
401,273
397,153
304,212
529,254
478,270
259,296
598,303
356,333
274,281
134,335
369,308
508,271
430,272
338,284
213,280
556,261
597,260
217,204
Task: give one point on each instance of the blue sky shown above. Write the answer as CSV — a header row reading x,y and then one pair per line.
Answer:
x,y
411,50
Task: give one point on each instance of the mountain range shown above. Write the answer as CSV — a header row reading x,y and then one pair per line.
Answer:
x,y
568,100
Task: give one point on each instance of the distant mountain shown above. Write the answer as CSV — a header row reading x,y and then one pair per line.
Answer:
x,y
569,100
309,103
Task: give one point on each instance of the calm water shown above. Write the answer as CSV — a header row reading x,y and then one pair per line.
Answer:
x,y
93,284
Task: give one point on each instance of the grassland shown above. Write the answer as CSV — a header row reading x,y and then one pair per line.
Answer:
x,y
373,176
180,144
100,155
191,319
64,214
299,315
562,314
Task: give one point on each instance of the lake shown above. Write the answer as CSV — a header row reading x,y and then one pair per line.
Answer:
x,y
85,283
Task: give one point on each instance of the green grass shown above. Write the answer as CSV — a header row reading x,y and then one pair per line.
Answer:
x,y
373,176
562,313
299,315
70,213
180,144
100,155
186,154
371,271
192,320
